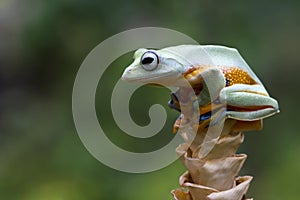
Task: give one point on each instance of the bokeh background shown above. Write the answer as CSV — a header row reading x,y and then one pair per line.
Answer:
x,y
42,44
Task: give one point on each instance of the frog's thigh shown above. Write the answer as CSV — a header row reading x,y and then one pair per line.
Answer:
x,y
244,96
251,115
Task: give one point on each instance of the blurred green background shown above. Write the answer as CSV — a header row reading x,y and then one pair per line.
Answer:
x,y
42,44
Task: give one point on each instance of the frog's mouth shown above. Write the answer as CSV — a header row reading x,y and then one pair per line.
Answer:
x,y
164,78
145,78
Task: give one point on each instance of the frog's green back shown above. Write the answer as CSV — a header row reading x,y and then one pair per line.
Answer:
x,y
212,55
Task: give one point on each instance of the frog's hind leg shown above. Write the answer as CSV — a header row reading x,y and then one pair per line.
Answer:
x,y
248,102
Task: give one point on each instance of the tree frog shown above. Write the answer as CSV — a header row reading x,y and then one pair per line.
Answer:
x,y
218,75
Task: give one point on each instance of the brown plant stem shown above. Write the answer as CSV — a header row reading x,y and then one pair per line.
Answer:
x,y
215,175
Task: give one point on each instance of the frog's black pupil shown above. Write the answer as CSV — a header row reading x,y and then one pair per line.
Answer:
x,y
147,60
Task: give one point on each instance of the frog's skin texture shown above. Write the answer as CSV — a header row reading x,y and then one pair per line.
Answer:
x,y
218,75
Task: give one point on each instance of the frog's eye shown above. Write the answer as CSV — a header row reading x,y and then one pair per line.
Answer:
x,y
149,60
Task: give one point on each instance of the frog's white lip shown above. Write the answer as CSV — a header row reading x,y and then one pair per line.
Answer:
x,y
147,79
142,79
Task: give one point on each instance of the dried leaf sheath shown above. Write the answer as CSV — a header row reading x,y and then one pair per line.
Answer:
x,y
214,177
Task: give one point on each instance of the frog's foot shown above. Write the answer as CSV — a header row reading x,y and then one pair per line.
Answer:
x,y
212,118
204,124
211,106
181,121
177,124
211,113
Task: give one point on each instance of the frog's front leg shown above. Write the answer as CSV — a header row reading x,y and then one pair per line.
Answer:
x,y
248,102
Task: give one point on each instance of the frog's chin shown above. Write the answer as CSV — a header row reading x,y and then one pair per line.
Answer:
x,y
162,79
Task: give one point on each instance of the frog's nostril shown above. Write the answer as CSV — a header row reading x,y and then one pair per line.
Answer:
x,y
126,73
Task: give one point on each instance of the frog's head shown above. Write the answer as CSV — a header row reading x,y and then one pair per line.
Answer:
x,y
155,66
